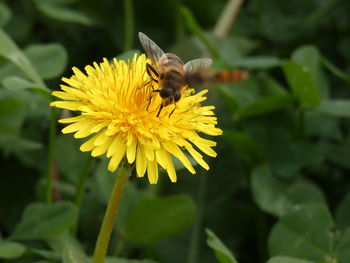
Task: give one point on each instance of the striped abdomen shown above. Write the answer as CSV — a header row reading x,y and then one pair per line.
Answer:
x,y
209,77
169,62
230,76
171,72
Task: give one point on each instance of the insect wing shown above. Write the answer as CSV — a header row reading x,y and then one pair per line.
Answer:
x,y
153,51
200,64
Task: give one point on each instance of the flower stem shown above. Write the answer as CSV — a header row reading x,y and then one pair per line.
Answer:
x,y
179,25
81,186
227,18
129,24
110,215
197,226
51,156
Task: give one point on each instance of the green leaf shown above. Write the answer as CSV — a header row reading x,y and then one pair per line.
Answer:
x,y
257,62
42,221
10,249
338,154
241,93
342,250
229,50
5,14
269,86
15,83
229,98
13,110
303,233
18,83
69,248
330,127
49,60
59,10
338,108
288,158
68,155
13,143
264,105
125,260
10,51
72,252
11,116
342,214
302,84
280,26
309,57
279,197
47,254
222,253
282,259
145,223
245,146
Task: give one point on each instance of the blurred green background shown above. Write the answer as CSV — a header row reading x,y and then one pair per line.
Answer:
x,y
278,191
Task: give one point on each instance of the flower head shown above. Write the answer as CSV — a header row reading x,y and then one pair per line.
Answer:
x,y
118,112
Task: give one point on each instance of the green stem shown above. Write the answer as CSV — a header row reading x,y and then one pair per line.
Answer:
x,y
196,230
129,24
51,156
179,25
336,71
81,186
110,215
227,18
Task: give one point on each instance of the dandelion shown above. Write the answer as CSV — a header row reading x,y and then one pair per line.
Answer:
x,y
118,112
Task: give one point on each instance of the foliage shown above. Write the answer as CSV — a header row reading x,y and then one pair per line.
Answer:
x,y
276,193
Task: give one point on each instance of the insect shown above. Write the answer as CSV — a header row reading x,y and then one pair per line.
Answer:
x,y
172,75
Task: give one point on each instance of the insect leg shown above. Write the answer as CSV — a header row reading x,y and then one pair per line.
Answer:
x,y
160,109
151,70
173,110
150,98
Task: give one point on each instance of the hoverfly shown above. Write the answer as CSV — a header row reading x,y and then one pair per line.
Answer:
x,y
172,75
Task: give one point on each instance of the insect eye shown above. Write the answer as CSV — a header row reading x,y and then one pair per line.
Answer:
x,y
166,92
177,95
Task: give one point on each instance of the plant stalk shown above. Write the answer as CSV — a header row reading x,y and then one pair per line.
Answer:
x,y
197,226
227,18
110,215
51,156
129,25
79,193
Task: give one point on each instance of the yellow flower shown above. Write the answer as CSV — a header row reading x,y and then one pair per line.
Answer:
x,y
118,110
